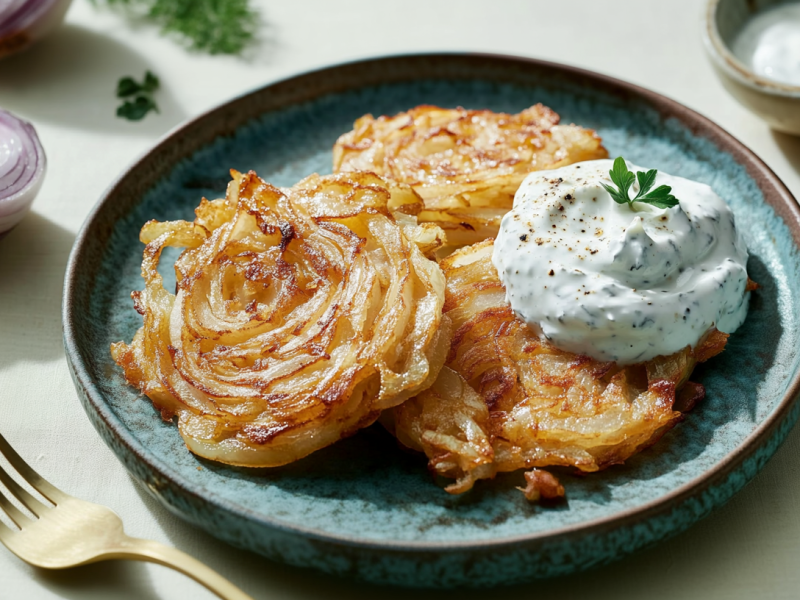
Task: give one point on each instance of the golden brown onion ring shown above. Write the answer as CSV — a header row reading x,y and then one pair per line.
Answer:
x,y
466,164
300,315
506,401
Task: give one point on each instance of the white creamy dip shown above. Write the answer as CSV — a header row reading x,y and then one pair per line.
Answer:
x,y
619,282
769,43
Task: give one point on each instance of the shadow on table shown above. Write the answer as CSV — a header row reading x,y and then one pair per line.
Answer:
x,y
100,581
790,146
33,257
70,79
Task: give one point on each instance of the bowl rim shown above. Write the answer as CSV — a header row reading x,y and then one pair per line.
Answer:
x,y
722,56
779,197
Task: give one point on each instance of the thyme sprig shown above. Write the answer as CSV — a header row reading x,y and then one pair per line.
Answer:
x,y
212,26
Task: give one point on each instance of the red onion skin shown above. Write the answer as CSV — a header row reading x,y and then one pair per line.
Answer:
x,y
22,175
25,22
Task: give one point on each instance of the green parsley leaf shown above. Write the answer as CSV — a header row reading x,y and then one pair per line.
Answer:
x,y
621,176
127,87
646,181
615,194
151,82
623,179
660,197
135,110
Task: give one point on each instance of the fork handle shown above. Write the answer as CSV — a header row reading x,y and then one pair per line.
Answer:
x,y
150,551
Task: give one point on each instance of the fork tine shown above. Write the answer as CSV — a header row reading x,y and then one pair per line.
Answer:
x,y
38,483
12,512
22,495
5,531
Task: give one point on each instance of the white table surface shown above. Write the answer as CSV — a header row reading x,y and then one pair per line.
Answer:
x,y
750,548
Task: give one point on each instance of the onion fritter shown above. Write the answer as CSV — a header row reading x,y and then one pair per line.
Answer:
x,y
300,315
466,164
506,400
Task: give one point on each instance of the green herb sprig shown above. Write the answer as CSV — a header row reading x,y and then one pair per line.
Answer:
x,y
623,179
212,26
139,96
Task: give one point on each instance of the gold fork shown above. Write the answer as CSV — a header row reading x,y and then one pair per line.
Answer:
x,y
75,532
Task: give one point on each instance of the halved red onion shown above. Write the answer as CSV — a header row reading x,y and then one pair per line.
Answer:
x,y
22,166
23,22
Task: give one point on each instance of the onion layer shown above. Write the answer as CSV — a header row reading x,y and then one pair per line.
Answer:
x,y
300,315
22,167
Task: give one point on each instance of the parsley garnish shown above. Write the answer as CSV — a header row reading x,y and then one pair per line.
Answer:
x,y
623,179
213,26
139,96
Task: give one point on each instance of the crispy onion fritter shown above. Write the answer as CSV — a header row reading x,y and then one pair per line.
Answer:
x,y
506,400
466,164
299,315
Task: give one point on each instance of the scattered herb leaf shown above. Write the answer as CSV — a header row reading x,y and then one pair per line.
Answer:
x,y
151,82
135,109
212,26
623,179
128,86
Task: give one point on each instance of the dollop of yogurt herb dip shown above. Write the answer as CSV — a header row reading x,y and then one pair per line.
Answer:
x,y
622,282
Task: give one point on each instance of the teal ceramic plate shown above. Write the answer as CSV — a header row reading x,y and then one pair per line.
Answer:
x,y
363,507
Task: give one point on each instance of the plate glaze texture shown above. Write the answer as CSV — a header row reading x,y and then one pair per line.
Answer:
x,y
363,507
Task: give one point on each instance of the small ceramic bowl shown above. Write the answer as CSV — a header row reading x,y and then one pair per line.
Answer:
x,y
775,102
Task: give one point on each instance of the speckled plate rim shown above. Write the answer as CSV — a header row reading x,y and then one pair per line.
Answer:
x,y
776,194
